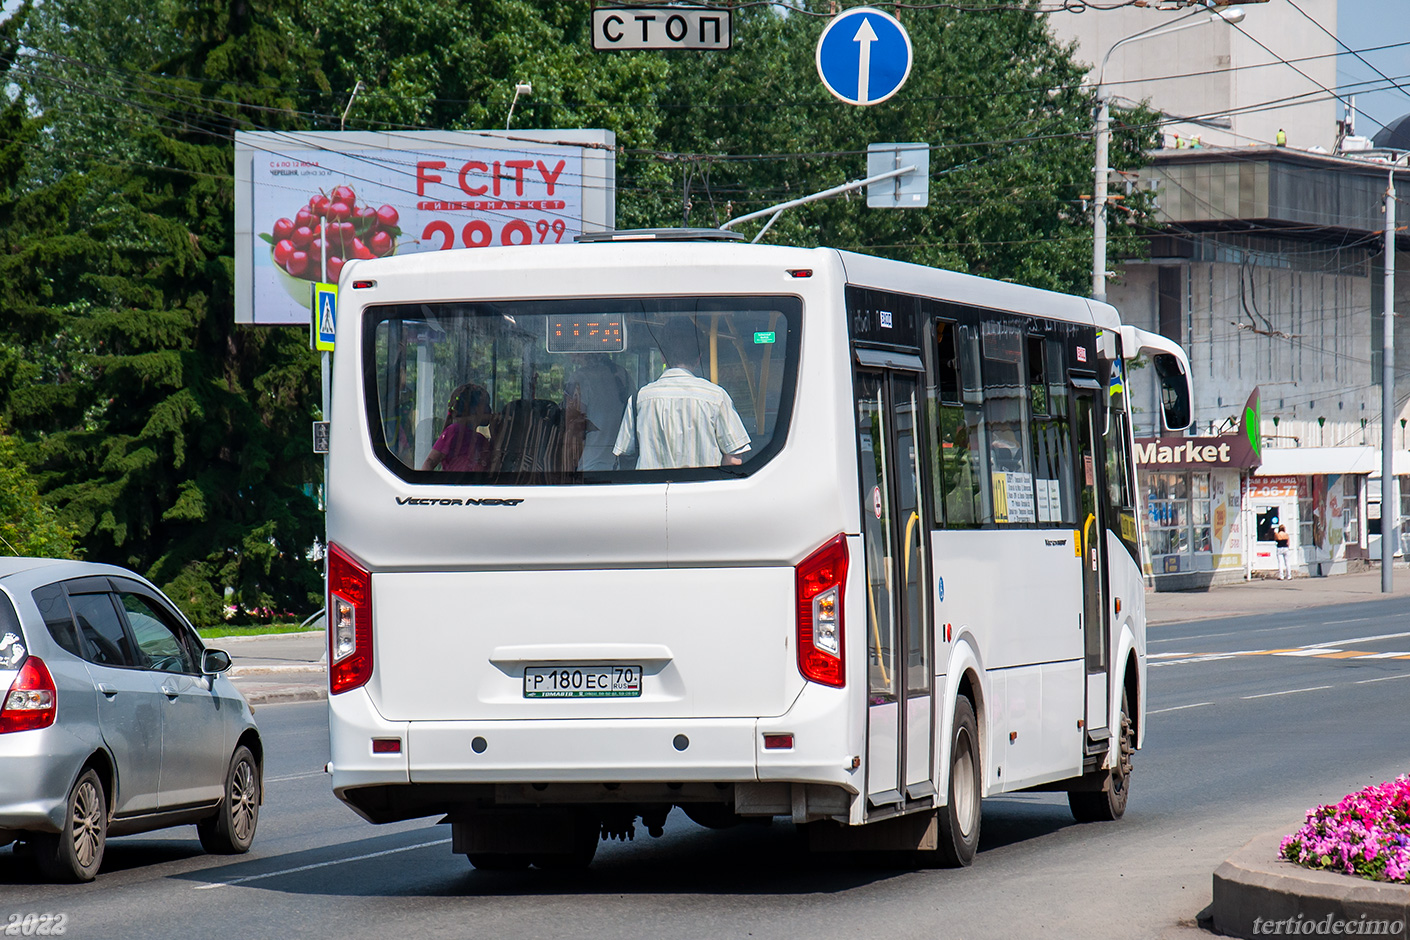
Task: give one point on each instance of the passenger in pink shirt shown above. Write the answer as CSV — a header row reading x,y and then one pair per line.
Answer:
x,y
461,446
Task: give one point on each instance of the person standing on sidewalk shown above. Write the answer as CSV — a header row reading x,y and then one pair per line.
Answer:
x,y
1284,553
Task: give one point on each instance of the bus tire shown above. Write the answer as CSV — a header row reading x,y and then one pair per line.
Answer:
x,y
959,819
1109,803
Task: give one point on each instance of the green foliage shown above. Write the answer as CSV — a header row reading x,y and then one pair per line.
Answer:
x,y
176,443
28,523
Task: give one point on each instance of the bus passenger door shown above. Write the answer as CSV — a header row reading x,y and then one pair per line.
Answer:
x,y
900,655
1091,539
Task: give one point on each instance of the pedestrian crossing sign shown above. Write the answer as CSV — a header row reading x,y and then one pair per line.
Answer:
x,y
325,315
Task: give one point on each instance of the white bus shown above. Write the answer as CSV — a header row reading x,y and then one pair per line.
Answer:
x,y
865,551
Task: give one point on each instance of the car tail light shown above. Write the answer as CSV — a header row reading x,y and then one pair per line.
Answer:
x,y
33,700
821,579
349,622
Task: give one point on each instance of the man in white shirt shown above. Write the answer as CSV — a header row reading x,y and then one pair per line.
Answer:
x,y
681,419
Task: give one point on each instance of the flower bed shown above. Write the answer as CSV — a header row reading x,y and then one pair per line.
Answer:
x,y
1366,834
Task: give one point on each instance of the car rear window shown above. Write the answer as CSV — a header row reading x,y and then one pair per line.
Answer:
x,y
12,646
54,608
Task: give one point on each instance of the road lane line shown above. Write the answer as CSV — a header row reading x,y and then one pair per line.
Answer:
x,y
1315,688
1313,651
1157,711
1394,654
1371,639
311,773
1333,623
336,861
1404,675
1169,655
1212,657
1345,654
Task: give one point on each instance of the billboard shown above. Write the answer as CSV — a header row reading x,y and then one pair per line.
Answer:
x,y
305,203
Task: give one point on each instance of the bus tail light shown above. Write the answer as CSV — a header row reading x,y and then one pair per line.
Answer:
x,y
821,579
32,701
349,622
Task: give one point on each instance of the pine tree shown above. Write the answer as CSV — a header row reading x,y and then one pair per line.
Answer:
x,y
190,461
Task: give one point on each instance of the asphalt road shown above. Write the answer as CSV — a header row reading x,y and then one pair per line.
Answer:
x,y
1252,721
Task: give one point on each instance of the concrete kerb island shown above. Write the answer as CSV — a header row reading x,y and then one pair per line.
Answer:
x,y
1257,894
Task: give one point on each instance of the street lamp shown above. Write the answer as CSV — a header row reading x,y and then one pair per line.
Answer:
x,y
522,88
1230,15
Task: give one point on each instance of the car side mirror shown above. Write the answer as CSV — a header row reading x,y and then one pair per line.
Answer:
x,y
214,662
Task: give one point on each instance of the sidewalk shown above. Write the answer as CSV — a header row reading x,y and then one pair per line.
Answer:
x,y
1268,595
278,667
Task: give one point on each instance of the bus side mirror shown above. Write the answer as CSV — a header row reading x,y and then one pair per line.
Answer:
x,y
1175,393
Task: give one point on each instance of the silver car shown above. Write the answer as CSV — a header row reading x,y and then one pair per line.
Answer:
x,y
115,719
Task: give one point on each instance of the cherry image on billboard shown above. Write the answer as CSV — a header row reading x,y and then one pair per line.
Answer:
x,y
332,224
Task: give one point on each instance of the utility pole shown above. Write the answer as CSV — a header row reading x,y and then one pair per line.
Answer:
x,y
1390,500
1099,195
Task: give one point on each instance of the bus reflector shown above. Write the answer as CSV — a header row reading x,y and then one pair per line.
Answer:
x,y
821,580
778,742
386,745
349,622
800,272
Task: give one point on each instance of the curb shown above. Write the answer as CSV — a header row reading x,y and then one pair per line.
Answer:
x,y
283,696
282,669
1254,885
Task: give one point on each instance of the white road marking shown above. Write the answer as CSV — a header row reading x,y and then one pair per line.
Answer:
x,y
336,861
1368,639
1169,655
1404,675
1212,657
1157,711
1315,688
1390,655
1333,623
1313,651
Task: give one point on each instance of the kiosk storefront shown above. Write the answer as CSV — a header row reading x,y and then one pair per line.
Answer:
x,y
1193,503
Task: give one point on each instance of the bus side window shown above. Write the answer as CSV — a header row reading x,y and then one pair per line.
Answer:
x,y
961,463
1120,490
1052,436
1006,414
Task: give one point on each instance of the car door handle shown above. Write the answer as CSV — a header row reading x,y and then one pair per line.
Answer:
x,y
170,692
107,690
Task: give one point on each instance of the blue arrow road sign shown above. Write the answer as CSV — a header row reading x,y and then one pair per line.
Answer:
x,y
864,56
325,309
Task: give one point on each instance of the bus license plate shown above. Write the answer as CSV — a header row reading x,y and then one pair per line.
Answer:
x,y
582,681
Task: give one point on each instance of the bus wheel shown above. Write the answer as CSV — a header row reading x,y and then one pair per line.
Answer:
x,y
959,820
1109,803
498,861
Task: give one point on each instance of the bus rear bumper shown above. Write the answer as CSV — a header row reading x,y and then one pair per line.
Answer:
x,y
445,756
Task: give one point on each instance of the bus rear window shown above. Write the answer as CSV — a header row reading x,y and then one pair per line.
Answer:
x,y
580,391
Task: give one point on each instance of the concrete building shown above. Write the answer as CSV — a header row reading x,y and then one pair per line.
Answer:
x,y
1269,270
1243,82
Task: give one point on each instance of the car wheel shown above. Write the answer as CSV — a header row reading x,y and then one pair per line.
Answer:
x,y
959,819
1109,803
76,853
231,830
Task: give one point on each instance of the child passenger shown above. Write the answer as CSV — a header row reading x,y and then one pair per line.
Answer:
x,y
461,446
